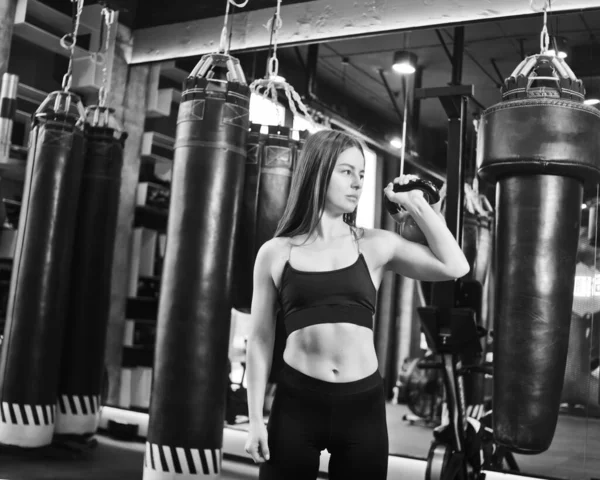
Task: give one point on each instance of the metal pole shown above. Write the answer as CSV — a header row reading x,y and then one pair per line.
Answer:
x,y
457,55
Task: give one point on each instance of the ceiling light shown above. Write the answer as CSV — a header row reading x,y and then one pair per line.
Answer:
x,y
405,62
560,44
396,142
560,54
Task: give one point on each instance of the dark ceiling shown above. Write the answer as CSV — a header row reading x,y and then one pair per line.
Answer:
x,y
348,73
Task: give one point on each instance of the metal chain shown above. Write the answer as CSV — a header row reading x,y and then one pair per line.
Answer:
x,y
274,25
223,48
544,36
268,86
68,42
109,19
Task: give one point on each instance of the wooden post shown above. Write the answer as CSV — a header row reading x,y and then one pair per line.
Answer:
x,y
129,87
8,9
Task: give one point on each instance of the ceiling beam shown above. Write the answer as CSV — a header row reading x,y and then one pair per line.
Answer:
x,y
321,20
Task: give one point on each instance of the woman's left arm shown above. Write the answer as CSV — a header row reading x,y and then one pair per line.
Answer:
x,y
440,240
442,260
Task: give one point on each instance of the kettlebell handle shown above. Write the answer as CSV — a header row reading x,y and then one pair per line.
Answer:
x,y
430,193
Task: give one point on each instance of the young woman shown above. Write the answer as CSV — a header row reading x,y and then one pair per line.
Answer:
x,y
322,272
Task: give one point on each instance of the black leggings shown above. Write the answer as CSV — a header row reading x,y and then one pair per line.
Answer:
x,y
309,415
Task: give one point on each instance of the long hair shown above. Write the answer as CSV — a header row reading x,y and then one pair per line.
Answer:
x,y
306,201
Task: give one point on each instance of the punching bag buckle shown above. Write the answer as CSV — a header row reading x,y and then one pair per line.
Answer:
x,y
220,68
62,105
98,116
543,75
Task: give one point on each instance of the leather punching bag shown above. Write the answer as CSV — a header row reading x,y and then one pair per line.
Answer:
x,y
270,163
470,237
580,386
82,366
476,245
540,144
39,287
187,408
483,260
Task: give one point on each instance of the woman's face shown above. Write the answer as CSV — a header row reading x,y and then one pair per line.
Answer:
x,y
346,182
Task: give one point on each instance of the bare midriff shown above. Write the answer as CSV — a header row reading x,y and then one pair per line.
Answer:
x,y
333,352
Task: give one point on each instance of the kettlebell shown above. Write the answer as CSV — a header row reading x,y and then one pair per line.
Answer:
x,y
407,227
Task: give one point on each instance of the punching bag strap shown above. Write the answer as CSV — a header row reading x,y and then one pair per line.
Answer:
x,y
546,75
211,64
267,87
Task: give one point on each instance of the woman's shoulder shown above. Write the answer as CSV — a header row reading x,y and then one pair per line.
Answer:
x,y
272,247
272,256
273,250
377,241
372,236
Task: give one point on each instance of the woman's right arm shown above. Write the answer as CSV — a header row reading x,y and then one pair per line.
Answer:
x,y
259,351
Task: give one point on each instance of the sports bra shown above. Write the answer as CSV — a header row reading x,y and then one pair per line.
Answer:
x,y
345,295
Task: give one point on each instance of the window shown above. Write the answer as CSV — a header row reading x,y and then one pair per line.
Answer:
x,y
264,112
365,216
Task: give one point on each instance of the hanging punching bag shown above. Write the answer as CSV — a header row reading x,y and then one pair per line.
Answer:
x,y
82,366
270,162
33,335
580,386
484,247
470,293
476,236
540,144
470,237
187,409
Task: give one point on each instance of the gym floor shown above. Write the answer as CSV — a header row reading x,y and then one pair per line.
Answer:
x,y
574,455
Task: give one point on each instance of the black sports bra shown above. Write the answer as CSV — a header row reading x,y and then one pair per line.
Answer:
x,y
344,295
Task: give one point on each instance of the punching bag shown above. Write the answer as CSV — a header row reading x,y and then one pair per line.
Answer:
x,y
540,144
580,387
270,162
476,245
187,408
470,237
82,366
483,260
476,234
33,335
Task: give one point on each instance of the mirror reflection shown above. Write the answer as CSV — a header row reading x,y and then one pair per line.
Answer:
x,y
479,362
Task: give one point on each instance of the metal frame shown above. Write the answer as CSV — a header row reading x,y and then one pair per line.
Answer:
x,y
454,100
